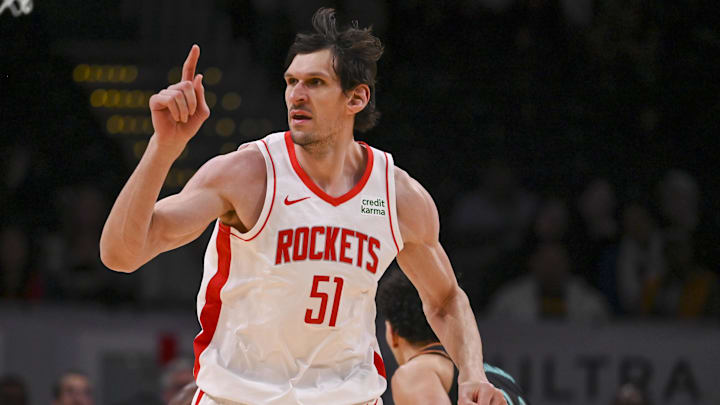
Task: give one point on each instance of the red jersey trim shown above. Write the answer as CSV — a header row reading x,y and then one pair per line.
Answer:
x,y
379,365
334,201
387,193
211,310
200,395
226,228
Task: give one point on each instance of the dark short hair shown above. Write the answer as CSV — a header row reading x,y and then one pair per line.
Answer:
x,y
399,302
355,54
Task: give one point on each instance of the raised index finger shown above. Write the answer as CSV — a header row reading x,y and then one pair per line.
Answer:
x,y
188,72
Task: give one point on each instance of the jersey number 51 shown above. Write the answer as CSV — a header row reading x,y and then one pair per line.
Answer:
x,y
315,293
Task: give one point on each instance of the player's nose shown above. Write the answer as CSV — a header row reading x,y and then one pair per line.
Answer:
x,y
298,94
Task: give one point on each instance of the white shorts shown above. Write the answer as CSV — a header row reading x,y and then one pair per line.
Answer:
x,y
202,398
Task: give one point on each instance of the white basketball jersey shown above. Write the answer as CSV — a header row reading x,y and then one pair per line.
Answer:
x,y
287,309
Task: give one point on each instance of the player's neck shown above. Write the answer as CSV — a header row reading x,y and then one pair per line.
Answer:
x,y
409,351
335,165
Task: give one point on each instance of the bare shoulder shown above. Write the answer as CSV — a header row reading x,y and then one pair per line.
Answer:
x,y
417,214
418,381
240,179
239,167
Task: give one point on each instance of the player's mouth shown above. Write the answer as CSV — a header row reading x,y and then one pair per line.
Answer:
x,y
298,117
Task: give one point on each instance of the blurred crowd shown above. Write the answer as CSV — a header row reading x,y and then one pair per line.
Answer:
x,y
75,387
586,256
519,253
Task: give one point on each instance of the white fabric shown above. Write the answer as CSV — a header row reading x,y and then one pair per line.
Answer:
x,y
207,400
263,350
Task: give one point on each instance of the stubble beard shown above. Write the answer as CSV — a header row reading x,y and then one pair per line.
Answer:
x,y
312,141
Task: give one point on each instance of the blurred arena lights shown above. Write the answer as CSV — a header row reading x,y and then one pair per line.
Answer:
x,y
105,73
231,101
225,127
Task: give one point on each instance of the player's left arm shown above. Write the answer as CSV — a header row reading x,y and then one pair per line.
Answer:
x,y
445,304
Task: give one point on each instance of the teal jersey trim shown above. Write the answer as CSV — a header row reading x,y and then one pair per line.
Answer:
x,y
492,369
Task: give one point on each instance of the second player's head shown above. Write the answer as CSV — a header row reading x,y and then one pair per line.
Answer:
x,y
405,322
330,80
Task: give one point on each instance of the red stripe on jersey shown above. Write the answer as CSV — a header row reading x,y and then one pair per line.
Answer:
x,y
200,395
335,201
211,310
387,192
379,365
272,202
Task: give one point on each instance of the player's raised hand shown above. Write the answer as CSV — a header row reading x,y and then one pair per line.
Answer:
x,y
480,393
179,110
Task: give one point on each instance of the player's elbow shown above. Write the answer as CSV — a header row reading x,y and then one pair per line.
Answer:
x,y
445,304
115,260
116,263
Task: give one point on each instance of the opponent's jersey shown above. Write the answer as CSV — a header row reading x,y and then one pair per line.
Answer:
x,y
287,309
498,377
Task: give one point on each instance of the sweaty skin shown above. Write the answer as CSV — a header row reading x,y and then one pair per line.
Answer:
x,y
232,187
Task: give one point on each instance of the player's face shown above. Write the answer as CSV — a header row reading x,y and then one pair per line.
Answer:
x,y
75,390
317,106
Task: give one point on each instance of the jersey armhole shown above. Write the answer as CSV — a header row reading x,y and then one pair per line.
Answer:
x,y
392,201
270,189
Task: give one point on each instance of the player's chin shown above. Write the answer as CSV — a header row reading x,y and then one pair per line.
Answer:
x,y
300,137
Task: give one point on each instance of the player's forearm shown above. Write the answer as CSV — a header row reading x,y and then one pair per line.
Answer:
x,y
124,241
455,325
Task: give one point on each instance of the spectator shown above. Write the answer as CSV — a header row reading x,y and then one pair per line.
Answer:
x,y
499,211
176,376
687,289
12,391
550,291
552,221
679,202
596,239
639,257
73,388
490,224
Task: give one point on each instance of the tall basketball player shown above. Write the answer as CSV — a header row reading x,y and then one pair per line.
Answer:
x,y
307,221
426,374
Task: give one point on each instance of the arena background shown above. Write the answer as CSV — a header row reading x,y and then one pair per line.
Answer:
x,y
556,136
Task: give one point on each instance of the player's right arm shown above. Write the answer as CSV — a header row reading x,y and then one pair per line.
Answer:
x,y
139,227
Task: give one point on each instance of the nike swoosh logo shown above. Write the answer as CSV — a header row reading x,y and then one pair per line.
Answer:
x,y
291,202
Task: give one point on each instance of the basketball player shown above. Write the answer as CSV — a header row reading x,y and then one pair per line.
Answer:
x,y
306,223
426,374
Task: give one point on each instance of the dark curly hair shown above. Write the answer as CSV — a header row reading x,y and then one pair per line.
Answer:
x,y
399,302
355,54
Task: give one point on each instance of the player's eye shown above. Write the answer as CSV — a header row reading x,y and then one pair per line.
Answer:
x,y
315,82
291,80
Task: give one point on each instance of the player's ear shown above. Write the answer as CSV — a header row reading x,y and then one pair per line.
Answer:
x,y
358,98
393,340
